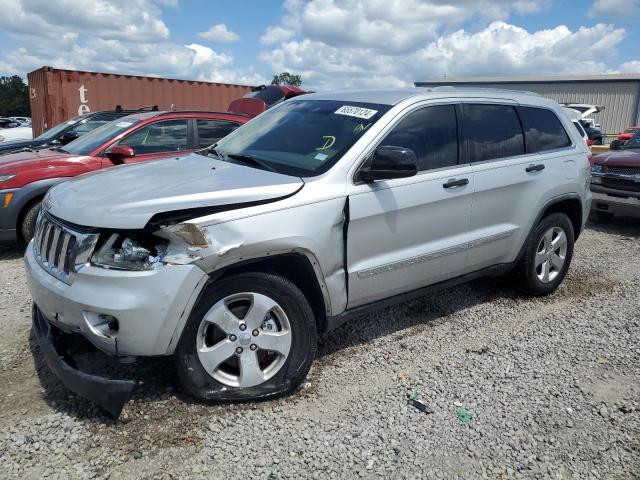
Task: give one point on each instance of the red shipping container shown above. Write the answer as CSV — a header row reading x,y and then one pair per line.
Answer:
x,y
59,95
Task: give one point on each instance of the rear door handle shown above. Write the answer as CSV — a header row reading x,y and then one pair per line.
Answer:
x,y
455,183
535,168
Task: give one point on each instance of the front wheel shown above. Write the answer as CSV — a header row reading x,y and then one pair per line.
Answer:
x,y
252,335
547,255
28,224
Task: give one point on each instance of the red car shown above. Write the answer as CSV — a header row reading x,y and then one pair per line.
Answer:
x,y
628,133
26,176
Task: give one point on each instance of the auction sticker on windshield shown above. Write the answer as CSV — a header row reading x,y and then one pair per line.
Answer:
x,y
124,124
357,112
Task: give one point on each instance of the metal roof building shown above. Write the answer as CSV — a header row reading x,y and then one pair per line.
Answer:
x,y
619,94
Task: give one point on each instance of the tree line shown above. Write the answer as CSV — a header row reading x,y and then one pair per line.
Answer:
x,y
14,97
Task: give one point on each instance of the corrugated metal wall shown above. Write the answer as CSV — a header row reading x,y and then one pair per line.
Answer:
x,y
58,95
620,99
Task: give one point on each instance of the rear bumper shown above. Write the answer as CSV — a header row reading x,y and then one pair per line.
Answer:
x,y
109,394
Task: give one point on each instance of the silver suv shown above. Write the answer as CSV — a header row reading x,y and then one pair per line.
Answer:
x,y
234,259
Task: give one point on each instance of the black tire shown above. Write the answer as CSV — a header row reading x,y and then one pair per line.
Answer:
x,y
203,386
597,141
28,225
600,217
526,272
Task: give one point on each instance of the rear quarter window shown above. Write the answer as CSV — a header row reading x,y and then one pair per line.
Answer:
x,y
543,130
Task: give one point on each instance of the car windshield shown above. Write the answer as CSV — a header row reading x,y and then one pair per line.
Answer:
x,y
92,140
633,142
54,132
302,137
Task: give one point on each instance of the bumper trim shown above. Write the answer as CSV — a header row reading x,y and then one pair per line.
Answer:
x,y
109,394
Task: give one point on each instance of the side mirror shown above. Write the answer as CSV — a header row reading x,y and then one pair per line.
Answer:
x,y
390,162
68,137
120,153
615,145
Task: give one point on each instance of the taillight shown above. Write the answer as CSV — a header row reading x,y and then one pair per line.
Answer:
x,y
590,143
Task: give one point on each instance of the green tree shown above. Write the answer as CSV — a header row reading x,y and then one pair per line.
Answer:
x,y
14,97
286,78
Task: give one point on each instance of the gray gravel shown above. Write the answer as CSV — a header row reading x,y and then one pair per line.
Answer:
x,y
552,388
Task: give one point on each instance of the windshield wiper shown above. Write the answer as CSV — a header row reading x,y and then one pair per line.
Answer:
x,y
58,149
251,160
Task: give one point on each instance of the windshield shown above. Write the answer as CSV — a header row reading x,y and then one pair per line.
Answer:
x,y
52,133
633,142
92,140
303,137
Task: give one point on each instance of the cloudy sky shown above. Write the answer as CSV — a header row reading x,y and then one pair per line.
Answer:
x,y
331,43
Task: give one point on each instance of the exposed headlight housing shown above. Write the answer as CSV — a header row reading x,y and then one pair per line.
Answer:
x,y
122,252
595,168
8,176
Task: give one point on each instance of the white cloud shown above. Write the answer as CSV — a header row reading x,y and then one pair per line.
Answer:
x,y
219,33
372,43
120,36
275,35
614,8
630,67
498,49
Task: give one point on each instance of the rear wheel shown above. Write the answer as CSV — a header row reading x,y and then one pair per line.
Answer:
x,y
547,255
28,224
253,335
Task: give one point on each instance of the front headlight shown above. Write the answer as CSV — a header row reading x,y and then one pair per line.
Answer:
x,y
8,176
595,168
125,253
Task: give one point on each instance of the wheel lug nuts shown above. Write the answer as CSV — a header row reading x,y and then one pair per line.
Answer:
x,y
232,338
243,326
253,346
255,333
239,350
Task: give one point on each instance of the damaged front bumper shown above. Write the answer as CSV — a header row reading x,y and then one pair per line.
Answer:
x,y
109,394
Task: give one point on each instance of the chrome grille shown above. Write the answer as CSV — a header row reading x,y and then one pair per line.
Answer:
x,y
623,170
60,250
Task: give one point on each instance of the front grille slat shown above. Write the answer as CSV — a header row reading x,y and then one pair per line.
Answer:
x,y
58,248
51,255
61,266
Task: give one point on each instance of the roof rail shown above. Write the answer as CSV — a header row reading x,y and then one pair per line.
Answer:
x,y
451,88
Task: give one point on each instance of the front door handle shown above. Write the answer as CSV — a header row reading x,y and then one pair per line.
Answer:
x,y
455,183
535,168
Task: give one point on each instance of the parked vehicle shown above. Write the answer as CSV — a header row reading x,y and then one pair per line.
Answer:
x,y
26,176
236,258
24,121
66,131
586,109
259,99
615,181
12,130
581,131
594,135
628,133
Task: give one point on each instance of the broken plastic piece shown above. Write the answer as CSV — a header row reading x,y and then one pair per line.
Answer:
x,y
190,233
415,401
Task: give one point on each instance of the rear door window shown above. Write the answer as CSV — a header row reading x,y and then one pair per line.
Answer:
x,y
492,132
210,131
158,137
432,133
543,130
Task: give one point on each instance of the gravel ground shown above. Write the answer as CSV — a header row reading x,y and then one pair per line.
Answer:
x,y
519,388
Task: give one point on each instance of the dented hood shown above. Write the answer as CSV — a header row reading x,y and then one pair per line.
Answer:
x,y
128,196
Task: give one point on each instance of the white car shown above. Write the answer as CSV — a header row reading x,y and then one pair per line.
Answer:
x,y
12,130
24,121
235,258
